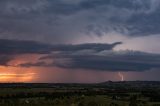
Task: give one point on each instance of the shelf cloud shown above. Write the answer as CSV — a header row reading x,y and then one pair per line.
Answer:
x,y
81,56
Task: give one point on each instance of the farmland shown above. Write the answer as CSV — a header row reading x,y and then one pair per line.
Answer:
x,y
134,93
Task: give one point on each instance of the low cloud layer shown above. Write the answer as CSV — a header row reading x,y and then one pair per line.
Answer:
x,y
24,47
11,48
81,56
106,61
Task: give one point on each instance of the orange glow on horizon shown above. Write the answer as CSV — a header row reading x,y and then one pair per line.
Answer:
x,y
7,77
16,74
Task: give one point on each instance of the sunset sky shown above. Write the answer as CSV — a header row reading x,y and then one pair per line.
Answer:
x,y
79,41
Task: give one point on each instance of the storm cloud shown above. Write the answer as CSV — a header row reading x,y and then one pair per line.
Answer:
x,y
94,57
81,35
90,56
24,47
10,48
130,61
63,21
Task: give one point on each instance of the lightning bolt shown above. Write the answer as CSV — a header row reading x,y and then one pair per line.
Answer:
x,y
121,76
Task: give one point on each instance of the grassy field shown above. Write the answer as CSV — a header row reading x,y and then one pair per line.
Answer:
x,y
79,95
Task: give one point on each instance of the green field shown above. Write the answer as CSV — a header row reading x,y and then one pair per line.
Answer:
x,y
79,95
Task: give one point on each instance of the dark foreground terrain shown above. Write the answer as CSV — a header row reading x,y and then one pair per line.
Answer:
x,y
136,93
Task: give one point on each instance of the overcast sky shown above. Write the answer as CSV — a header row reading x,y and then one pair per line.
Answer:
x,y
79,40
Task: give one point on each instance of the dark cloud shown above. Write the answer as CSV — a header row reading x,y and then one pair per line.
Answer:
x,y
108,60
90,56
129,17
38,64
63,22
10,48
23,47
66,20
4,59
117,62
89,46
